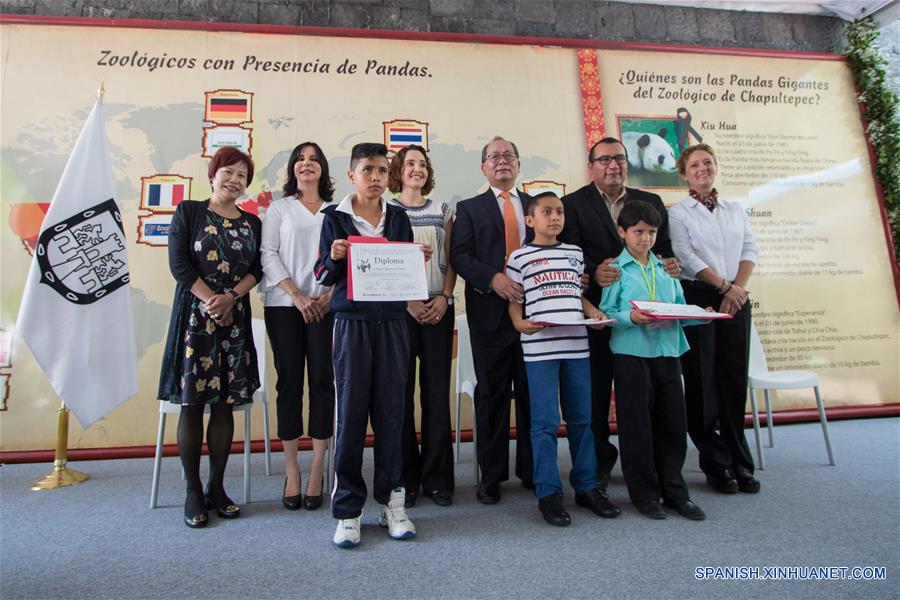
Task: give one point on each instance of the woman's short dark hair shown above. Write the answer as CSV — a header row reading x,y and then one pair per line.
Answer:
x,y
227,156
326,185
395,175
636,211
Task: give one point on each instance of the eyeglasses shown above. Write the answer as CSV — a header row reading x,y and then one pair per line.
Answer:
x,y
507,156
605,160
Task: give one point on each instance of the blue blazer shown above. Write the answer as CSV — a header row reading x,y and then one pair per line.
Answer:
x,y
478,252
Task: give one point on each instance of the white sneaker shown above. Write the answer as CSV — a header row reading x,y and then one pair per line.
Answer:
x,y
347,533
393,516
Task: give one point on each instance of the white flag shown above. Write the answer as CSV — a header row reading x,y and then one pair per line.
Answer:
x,y
76,309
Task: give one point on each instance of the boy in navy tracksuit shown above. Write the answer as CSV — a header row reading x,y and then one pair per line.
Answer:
x,y
370,354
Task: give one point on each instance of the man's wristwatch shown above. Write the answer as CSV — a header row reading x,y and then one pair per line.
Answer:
x,y
449,298
235,294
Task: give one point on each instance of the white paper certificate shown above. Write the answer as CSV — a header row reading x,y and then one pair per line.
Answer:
x,y
665,310
384,272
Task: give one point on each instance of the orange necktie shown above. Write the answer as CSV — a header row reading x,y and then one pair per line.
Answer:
x,y
510,224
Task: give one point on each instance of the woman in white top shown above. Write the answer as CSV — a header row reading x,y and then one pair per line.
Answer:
x,y
298,320
712,240
430,326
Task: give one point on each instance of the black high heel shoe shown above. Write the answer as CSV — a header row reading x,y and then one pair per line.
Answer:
x,y
229,511
313,502
292,502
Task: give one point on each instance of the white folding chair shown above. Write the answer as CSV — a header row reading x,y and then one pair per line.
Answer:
x,y
259,339
465,381
760,378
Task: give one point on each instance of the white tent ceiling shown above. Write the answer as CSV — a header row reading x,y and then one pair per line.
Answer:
x,y
849,10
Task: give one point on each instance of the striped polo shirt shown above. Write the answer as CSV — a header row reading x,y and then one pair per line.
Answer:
x,y
551,279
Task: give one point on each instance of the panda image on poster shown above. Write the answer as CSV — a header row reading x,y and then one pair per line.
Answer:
x,y
653,144
649,152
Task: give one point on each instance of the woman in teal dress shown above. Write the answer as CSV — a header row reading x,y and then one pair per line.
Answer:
x,y
210,358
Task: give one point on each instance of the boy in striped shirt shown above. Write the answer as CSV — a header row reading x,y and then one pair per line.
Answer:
x,y
556,359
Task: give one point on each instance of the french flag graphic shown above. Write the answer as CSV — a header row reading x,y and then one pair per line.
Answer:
x,y
165,194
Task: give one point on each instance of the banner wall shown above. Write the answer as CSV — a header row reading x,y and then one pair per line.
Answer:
x,y
787,131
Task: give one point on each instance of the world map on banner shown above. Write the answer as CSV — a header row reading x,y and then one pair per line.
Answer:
x,y
792,165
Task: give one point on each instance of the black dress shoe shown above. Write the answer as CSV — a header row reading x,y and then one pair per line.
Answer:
x,y
528,484
603,480
410,499
195,515
598,501
724,483
687,509
313,502
488,493
652,509
290,502
441,497
226,510
746,482
197,521
553,511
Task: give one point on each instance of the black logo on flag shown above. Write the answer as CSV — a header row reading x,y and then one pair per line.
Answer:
x,y
83,258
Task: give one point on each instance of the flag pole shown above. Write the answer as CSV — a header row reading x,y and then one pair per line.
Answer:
x,y
61,475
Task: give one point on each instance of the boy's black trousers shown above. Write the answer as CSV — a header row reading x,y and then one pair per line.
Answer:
x,y
370,369
650,417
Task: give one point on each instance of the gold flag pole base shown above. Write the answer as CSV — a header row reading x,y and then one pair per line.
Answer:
x,y
61,475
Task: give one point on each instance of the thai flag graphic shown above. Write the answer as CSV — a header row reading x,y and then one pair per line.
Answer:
x,y
400,133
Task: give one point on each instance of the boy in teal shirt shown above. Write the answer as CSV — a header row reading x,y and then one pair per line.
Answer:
x,y
650,412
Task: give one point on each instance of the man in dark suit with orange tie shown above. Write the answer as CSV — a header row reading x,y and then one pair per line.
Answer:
x,y
487,228
591,213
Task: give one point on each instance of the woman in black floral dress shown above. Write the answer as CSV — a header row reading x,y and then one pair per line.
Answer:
x,y
210,358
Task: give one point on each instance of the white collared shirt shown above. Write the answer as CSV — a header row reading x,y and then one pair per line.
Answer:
x,y
364,227
517,204
718,240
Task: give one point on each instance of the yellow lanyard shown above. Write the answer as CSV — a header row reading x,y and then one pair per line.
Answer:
x,y
651,282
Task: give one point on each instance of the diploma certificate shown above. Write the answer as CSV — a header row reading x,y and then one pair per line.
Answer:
x,y
664,310
383,271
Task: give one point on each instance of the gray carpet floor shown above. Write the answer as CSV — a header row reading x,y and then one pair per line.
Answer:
x,y
100,540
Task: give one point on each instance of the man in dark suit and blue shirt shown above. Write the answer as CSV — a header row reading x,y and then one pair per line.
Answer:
x,y
487,229
591,213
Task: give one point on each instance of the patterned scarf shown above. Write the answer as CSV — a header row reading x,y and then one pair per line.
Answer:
x,y
709,201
